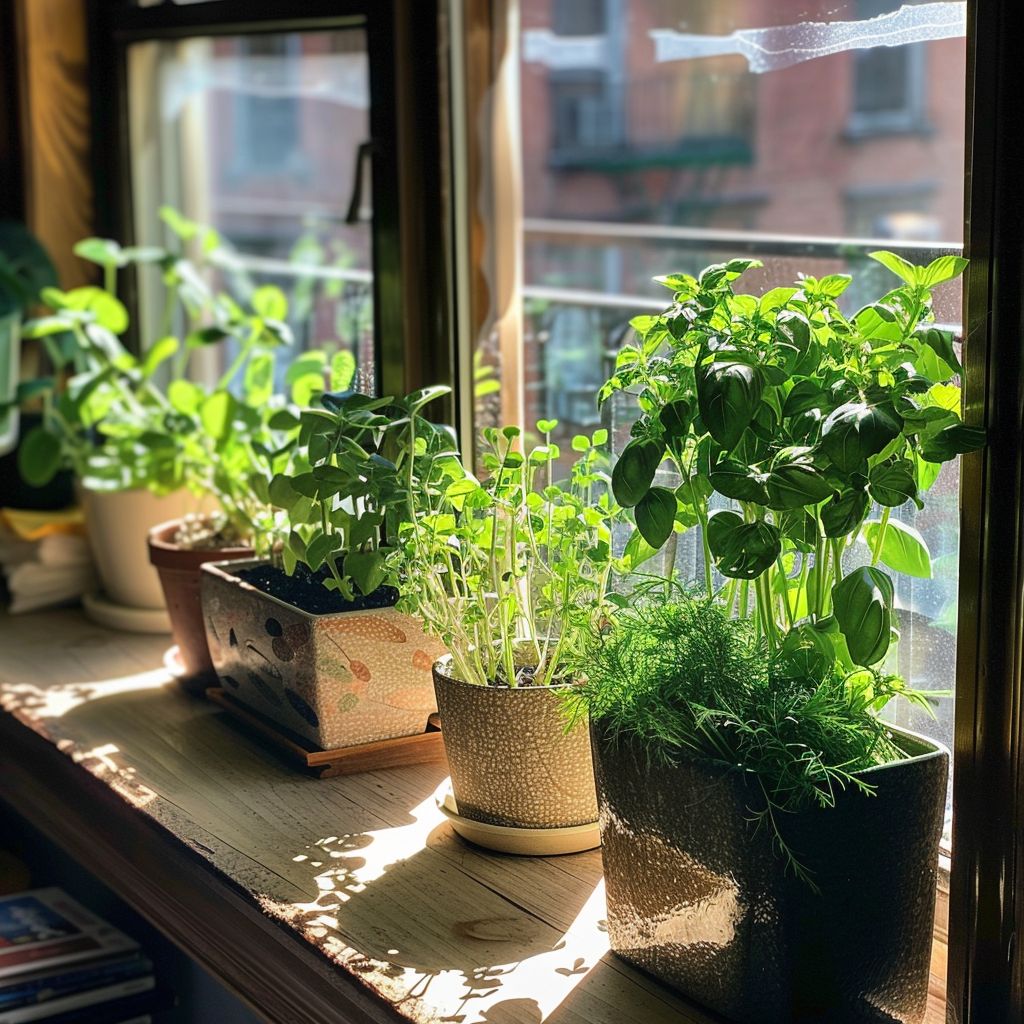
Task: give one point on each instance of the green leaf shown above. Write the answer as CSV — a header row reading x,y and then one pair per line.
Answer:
x,y
283,419
943,269
270,303
893,483
843,514
675,418
854,432
862,605
796,484
108,311
804,396
259,379
343,370
903,548
424,396
39,456
185,396
655,516
735,480
367,568
634,471
580,443
742,550
104,251
320,548
636,552
206,336
45,326
157,353
956,439
282,494
216,414
728,395
805,654
774,298
941,343
898,265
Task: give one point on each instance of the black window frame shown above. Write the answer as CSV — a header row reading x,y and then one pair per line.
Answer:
x,y
411,288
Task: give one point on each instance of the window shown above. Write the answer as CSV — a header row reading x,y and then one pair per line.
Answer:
x,y
888,82
311,140
283,116
592,231
579,17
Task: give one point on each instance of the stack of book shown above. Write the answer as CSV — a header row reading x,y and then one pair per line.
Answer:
x,y
45,558
61,964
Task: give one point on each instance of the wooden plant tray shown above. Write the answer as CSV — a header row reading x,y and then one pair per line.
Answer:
x,y
423,748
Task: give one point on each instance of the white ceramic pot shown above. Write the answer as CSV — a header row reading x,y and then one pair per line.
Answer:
x,y
119,523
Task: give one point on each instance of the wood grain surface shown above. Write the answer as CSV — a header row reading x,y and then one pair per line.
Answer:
x,y
342,899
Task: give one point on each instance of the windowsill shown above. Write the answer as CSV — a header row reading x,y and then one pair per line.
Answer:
x,y
866,127
349,893
696,152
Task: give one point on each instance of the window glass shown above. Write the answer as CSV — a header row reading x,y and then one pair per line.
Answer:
x,y
260,136
654,136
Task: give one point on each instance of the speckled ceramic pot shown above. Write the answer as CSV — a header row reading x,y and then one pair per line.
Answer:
x,y
337,680
178,568
512,762
698,897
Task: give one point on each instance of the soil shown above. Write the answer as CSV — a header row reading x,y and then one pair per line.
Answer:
x,y
204,533
306,590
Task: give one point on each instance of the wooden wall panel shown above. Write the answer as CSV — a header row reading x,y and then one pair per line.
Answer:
x,y
55,128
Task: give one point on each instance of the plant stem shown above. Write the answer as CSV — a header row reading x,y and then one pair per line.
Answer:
x,y
876,552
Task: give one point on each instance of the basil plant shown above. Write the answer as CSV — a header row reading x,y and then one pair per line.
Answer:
x,y
794,431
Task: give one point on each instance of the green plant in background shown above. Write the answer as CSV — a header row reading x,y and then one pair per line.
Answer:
x,y
25,270
513,570
351,484
689,681
121,420
806,428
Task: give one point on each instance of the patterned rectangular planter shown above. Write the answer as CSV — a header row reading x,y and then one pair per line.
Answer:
x,y
701,900
337,680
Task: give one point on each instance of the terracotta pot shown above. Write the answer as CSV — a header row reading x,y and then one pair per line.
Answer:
x,y
512,761
119,523
337,680
701,899
178,569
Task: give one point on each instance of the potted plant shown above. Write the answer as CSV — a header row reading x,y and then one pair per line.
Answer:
x,y
793,432
148,446
311,637
510,572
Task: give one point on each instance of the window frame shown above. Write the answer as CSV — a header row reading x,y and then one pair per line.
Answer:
x,y
411,286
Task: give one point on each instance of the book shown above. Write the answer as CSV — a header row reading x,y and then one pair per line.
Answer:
x,y
142,1004
54,1008
45,928
39,986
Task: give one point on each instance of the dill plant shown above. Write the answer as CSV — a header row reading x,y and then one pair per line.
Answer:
x,y
687,680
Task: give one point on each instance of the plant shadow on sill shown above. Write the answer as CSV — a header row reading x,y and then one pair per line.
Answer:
x,y
422,918
153,740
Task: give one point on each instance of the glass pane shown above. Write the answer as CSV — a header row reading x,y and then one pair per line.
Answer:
x,y
259,137
657,136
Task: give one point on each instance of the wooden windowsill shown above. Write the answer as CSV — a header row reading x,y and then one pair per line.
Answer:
x,y
345,899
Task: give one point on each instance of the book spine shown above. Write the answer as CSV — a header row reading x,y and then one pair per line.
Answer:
x,y
56,985
43,1011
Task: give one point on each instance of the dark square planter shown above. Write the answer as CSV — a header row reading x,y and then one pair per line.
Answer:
x,y
698,897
